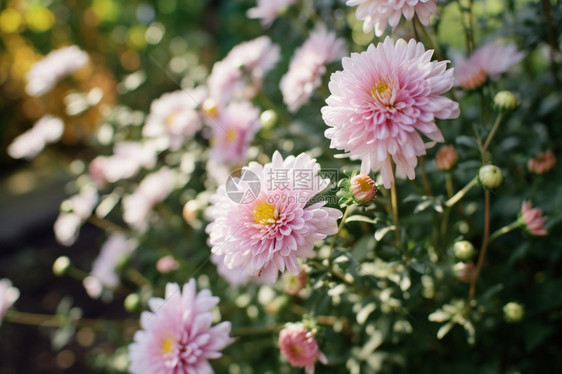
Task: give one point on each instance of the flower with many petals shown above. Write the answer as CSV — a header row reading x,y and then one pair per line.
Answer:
x,y
532,219
268,10
377,14
308,65
8,296
175,116
46,73
300,348
487,61
266,219
178,336
240,74
381,102
542,163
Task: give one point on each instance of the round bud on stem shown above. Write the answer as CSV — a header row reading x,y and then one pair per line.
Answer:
x,y
61,266
132,303
362,188
505,101
490,176
463,250
513,312
268,118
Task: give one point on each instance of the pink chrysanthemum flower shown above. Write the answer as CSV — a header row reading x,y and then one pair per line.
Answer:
x,y
542,163
177,336
46,73
235,276
268,10
48,129
263,222
300,348
8,296
488,61
382,100
175,116
532,219
233,131
104,269
240,74
377,14
308,66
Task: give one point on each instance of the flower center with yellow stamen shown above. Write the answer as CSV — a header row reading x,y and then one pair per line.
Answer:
x,y
296,350
167,346
230,135
171,118
382,93
264,213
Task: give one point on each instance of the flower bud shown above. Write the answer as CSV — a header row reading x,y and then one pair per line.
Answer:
x,y
166,265
446,157
464,271
463,250
132,303
292,284
513,312
189,211
490,176
268,118
362,188
542,163
211,107
505,101
61,266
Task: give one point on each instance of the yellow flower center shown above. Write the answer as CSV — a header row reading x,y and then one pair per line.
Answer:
x,y
167,346
171,118
382,93
230,135
264,214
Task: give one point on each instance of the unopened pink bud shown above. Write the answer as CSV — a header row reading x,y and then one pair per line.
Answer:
x,y
446,157
362,188
167,264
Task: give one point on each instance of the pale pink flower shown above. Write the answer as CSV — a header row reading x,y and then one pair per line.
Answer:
x,y
533,220
487,61
77,209
240,74
167,264
128,159
233,131
153,189
464,271
48,129
446,157
381,102
292,284
177,336
268,222
235,276
47,72
104,269
268,10
300,348
175,116
8,296
308,65
542,163
377,14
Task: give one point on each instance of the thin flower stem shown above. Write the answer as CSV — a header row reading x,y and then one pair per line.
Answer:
x,y
551,41
394,204
492,133
504,230
49,320
105,224
483,249
427,37
425,179
137,278
459,195
337,234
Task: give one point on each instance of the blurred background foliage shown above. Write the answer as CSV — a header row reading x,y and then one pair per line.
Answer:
x,y
378,324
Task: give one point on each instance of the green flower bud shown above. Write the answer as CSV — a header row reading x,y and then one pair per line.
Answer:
x,y
505,101
61,266
490,176
268,118
132,303
463,250
513,312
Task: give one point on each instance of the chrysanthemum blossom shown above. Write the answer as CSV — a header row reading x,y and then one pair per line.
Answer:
x,y
233,131
8,296
300,348
268,10
175,116
104,269
542,163
265,229
235,276
533,220
377,14
240,74
178,336
48,129
486,62
308,65
47,72
383,100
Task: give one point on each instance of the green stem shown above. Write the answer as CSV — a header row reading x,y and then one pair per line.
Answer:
x,y
337,234
483,249
425,179
394,204
492,133
459,195
505,230
49,320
